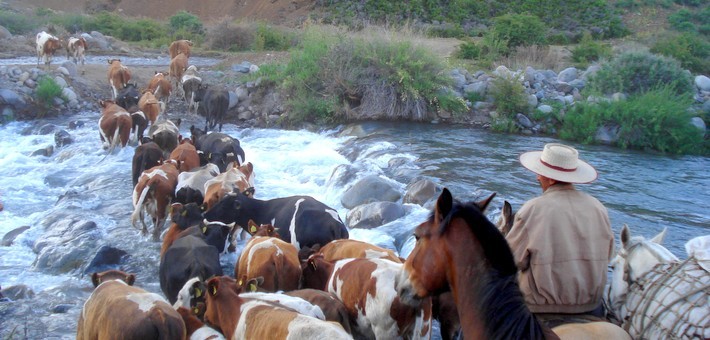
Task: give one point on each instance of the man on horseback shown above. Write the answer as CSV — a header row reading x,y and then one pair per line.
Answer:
x,y
562,240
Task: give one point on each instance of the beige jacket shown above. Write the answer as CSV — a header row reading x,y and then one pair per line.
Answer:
x,y
562,243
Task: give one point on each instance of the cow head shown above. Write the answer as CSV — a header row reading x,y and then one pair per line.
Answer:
x,y
251,285
113,274
218,234
232,208
128,96
111,61
261,230
192,296
186,215
315,272
104,103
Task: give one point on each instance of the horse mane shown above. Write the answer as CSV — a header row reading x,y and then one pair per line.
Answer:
x,y
501,302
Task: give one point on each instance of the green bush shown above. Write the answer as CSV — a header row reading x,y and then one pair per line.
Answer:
x,y
691,50
519,29
189,22
682,20
227,36
268,38
509,97
657,119
638,72
693,3
590,50
18,23
468,50
47,89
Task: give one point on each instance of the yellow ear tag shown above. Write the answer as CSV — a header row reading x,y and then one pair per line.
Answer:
x,y
204,229
214,290
183,213
240,283
198,292
253,229
195,311
252,287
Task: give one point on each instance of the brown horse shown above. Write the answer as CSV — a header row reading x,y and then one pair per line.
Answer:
x,y
459,249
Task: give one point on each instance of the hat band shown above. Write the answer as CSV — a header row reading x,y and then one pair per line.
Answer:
x,y
556,167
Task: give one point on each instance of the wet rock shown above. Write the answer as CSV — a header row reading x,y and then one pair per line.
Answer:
x,y
106,258
66,246
61,308
69,94
75,124
62,138
370,189
12,98
373,215
11,235
420,191
18,292
47,151
47,129
607,134
342,175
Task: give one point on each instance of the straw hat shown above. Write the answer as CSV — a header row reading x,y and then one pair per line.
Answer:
x,y
559,162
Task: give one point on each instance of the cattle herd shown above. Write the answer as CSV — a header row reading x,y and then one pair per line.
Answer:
x,y
298,276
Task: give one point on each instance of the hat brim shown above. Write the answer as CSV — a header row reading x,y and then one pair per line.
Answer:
x,y
584,173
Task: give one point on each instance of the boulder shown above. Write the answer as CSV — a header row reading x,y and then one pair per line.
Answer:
x,y
699,123
420,192
373,215
567,75
702,82
106,258
62,138
11,235
66,246
46,151
17,292
370,189
12,98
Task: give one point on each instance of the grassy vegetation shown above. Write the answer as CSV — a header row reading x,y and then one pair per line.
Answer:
x,y
45,93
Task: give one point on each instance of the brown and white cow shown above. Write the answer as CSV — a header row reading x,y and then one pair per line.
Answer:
x,y
153,195
196,329
333,309
346,248
367,287
178,65
145,156
160,86
180,46
186,155
118,76
190,84
114,125
75,50
117,310
191,184
150,106
47,45
234,179
274,260
240,318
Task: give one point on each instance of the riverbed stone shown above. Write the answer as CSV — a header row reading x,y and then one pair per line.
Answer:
x,y
373,215
702,82
46,151
107,257
11,235
17,292
567,75
420,192
62,70
607,134
66,245
523,120
62,138
545,108
30,83
70,67
371,188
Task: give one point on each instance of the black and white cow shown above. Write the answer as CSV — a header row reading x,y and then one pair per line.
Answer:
x,y
191,184
146,156
217,148
166,134
214,103
189,256
301,220
128,96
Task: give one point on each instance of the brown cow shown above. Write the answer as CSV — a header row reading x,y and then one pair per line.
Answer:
x,y
160,86
274,260
180,46
118,76
346,248
153,194
333,309
178,65
115,124
117,310
196,329
150,106
186,155
367,287
233,179
75,50
241,318
47,45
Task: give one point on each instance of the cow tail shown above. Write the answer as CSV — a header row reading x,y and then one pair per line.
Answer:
x,y
138,210
279,265
115,139
161,106
167,326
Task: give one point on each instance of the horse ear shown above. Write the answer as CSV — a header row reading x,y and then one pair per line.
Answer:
x,y
483,204
625,235
659,238
444,203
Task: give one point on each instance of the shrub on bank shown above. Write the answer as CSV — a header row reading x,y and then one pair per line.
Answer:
x,y
47,89
691,50
590,50
657,119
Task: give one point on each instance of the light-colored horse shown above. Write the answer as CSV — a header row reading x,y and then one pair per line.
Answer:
x,y
654,294
459,249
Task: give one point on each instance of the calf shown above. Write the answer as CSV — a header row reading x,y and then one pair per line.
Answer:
x,y
166,134
47,45
218,148
240,318
345,248
118,76
146,156
75,49
160,86
180,46
114,125
188,257
186,155
234,179
150,106
367,288
117,310
191,184
301,220
178,65
190,84
274,260
153,194
128,96
215,102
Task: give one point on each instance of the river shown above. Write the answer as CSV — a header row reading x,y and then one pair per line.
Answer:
x,y
648,192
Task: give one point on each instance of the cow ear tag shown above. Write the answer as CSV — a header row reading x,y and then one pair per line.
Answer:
x,y
252,229
252,287
183,213
214,290
196,311
204,229
240,283
198,292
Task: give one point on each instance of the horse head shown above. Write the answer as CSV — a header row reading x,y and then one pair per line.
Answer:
x,y
636,257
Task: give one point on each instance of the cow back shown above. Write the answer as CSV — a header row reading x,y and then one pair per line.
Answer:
x,y
166,134
146,156
346,248
186,155
333,309
189,256
220,149
274,260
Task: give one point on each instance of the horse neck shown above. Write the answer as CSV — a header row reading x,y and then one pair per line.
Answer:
x,y
490,305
